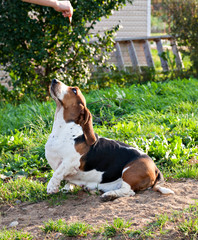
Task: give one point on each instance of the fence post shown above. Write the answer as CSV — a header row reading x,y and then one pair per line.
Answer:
x,y
119,57
178,59
148,55
133,56
164,63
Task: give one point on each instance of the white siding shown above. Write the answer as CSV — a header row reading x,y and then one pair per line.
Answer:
x,y
135,20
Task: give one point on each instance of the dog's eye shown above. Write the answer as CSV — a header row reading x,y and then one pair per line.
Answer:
x,y
74,91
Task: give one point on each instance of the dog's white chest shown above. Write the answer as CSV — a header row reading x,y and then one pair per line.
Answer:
x,y
60,146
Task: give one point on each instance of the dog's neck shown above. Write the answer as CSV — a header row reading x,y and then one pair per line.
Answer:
x,y
61,127
73,129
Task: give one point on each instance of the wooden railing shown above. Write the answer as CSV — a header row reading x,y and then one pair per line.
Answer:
x,y
145,41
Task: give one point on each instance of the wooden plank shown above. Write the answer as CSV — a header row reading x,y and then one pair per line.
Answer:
x,y
148,55
143,38
177,54
164,63
118,54
133,56
151,38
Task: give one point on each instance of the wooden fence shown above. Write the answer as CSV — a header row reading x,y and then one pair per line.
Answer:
x,y
144,42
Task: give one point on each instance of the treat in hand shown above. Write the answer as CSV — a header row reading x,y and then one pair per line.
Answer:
x,y
66,8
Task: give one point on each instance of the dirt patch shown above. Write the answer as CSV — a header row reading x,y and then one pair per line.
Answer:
x,y
140,209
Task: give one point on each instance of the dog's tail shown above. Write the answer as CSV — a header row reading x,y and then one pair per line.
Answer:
x,y
160,179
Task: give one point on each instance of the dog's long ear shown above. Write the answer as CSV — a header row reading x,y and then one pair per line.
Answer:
x,y
85,122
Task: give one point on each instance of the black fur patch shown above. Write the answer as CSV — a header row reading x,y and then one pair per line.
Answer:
x,y
110,157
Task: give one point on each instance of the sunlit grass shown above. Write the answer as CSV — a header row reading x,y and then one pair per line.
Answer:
x,y
77,229
159,118
7,234
170,58
22,189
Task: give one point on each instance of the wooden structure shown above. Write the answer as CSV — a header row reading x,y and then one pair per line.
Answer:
x,y
135,20
139,54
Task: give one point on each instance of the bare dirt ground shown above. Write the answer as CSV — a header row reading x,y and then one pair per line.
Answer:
x,y
140,209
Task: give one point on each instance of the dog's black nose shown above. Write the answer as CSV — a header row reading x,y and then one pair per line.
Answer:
x,y
54,81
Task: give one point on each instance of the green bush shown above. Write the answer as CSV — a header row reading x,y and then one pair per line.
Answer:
x,y
37,43
183,21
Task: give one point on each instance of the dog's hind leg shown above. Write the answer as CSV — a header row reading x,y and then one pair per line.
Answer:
x,y
157,188
124,191
162,190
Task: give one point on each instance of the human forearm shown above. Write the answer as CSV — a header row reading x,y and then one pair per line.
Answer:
x,y
61,6
47,3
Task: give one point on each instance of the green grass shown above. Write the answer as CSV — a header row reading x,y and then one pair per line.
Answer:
x,y
77,229
119,226
22,189
80,229
6,234
160,118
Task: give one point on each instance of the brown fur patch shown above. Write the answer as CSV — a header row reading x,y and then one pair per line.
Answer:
x,y
75,110
82,164
73,105
141,174
82,148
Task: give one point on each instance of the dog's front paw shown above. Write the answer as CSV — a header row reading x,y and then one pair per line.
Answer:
x,y
108,196
52,187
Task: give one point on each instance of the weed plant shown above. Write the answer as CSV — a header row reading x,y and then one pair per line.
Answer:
x,y
119,226
77,229
6,234
22,190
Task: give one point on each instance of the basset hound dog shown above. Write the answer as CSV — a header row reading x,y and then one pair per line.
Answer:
x,y
81,157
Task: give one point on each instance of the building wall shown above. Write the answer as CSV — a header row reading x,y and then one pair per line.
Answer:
x,y
135,21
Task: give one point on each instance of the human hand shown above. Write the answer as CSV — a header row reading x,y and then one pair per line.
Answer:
x,y
65,7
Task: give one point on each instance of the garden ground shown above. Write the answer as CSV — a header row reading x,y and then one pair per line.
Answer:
x,y
141,209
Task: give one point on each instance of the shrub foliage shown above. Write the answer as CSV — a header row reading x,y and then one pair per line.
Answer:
x,y
38,44
183,21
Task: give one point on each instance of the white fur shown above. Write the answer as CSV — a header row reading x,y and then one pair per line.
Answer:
x,y
62,91
91,179
164,190
106,187
88,180
124,191
125,169
65,160
60,151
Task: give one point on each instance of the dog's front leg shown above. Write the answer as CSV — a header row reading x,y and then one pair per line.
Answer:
x,y
58,176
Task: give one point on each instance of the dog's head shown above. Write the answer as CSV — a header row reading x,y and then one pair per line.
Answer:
x,y
74,107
